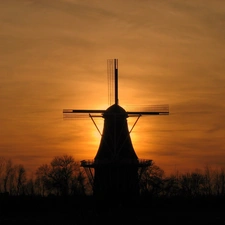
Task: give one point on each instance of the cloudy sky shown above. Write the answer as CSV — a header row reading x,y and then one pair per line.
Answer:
x,y
54,56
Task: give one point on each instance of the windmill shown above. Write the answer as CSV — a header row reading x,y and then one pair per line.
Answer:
x,y
116,169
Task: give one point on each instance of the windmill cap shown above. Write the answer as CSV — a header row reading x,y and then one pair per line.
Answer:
x,y
115,110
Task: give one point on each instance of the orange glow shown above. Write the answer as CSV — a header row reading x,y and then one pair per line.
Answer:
x,y
168,54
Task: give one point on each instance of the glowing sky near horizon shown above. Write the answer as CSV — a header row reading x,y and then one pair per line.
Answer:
x,y
54,56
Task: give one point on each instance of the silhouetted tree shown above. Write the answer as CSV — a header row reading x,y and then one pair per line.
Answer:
x,y
219,182
29,187
192,184
43,181
208,177
20,179
62,177
2,171
7,177
12,177
151,182
171,186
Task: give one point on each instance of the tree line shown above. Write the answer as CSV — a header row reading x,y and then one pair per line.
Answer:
x,y
63,176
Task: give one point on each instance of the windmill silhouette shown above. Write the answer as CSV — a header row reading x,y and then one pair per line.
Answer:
x,y
116,169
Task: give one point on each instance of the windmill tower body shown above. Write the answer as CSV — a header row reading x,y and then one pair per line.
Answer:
x,y
116,169
116,163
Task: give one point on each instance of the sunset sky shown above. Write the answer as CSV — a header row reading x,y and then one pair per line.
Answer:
x,y
53,56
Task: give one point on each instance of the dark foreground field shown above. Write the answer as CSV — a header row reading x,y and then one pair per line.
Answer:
x,y
83,210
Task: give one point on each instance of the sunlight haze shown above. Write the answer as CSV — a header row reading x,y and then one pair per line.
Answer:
x,y
54,57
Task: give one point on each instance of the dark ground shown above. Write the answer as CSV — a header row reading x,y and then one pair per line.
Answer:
x,y
83,210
